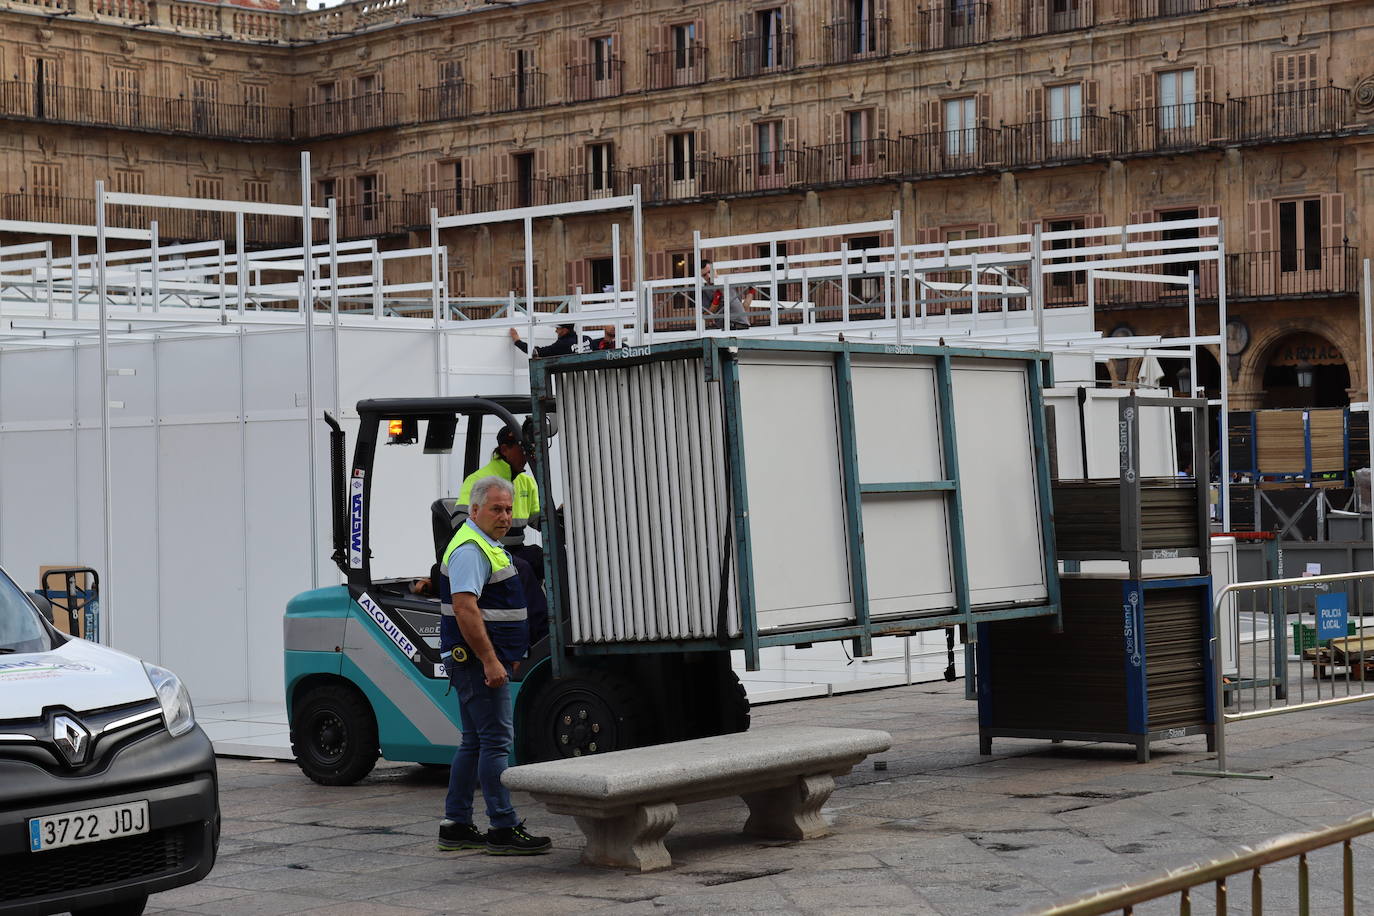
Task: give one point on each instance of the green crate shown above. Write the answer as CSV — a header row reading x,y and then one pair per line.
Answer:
x,y
1305,636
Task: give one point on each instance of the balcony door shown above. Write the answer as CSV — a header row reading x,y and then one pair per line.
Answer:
x,y
768,146
46,76
125,98
682,155
1066,114
861,159
1177,94
961,130
204,104
600,169
1300,235
768,32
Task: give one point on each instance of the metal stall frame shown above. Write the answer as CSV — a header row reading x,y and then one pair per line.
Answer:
x,y
721,366
1130,548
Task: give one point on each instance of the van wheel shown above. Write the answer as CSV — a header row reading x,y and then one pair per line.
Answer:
x,y
132,907
334,735
591,712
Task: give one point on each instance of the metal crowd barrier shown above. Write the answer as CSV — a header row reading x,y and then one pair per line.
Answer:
x,y
1183,881
1269,662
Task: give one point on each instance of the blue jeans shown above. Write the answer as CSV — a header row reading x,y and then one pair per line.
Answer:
x,y
484,751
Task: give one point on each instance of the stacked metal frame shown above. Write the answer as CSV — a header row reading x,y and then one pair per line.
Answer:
x,y
720,493
647,488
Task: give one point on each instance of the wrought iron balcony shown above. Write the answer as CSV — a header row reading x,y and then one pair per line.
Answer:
x,y
1288,115
1048,17
687,179
951,152
1037,143
857,39
1292,272
1164,9
466,198
756,173
518,92
595,184
449,101
1171,128
853,162
370,219
596,80
370,111
764,54
677,67
134,111
954,24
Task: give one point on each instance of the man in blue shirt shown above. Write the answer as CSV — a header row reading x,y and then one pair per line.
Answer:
x,y
483,635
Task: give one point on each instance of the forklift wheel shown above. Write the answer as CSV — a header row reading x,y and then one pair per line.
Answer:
x,y
334,735
590,712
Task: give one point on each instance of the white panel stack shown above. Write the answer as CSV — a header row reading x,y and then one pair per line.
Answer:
x,y
647,490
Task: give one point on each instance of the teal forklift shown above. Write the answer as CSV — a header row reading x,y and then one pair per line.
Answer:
x,y
364,677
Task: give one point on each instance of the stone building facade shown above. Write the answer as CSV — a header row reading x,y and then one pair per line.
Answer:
x,y
971,118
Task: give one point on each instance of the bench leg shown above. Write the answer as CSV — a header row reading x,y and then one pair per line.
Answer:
x,y
791,812
631,840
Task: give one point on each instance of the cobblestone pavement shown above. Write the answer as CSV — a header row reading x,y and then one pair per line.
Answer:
x,y
941,831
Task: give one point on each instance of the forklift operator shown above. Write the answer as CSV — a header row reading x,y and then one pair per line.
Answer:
x,y
483,636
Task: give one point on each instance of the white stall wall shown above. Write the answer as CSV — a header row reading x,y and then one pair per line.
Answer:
x,y
1158,446
210,471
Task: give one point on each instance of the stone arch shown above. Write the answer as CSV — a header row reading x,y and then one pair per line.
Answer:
x,y
1266,342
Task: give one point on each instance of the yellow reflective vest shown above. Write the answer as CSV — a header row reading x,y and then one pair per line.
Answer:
x,y
525,510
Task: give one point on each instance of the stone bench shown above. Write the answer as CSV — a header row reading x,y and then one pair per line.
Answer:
x,y
625,802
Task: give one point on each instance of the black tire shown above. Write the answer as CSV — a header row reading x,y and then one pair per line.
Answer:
x,y
334,735
590,712
734,713
132,907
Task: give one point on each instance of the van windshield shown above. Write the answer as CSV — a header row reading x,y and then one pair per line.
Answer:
x,y
21,630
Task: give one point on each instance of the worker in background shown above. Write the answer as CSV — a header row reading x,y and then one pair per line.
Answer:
x,y
565,342
607,342
483,636
508,462
741,297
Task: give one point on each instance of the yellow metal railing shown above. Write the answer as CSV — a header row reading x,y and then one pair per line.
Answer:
x,y
1183,881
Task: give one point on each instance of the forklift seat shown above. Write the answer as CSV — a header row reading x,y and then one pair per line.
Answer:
x,y
446,516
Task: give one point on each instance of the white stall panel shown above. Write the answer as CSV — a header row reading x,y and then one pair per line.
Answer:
x,y
134,468
998,483
1100,417
796,493
906,537
39,510
205,638
200,378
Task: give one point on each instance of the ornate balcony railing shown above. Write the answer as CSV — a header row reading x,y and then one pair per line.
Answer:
x,y
518,92
596,80
1141,10
134,111
954,24
857,39
1292,272
754,173
687,179
370,111
853,161
677,67
1037,143
1048,17
450,101
369,219
1288,115
951,152
763,54
1170,128
466,198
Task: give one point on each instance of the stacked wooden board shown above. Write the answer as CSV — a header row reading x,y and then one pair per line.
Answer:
x,y
1306,445
1087,515
1130,667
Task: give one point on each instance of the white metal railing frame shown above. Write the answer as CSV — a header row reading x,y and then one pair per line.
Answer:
x,y
1220,605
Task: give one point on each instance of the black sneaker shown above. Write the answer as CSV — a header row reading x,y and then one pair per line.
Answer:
x,y
454,836
516,841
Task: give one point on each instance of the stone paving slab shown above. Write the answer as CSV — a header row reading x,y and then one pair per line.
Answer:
x,y
942,831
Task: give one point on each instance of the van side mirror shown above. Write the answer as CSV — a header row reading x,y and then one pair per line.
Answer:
x,y
44,606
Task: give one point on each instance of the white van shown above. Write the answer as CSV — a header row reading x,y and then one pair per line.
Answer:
x,y
108,789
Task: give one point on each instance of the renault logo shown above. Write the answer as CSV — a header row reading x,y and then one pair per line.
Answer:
x,y
71,738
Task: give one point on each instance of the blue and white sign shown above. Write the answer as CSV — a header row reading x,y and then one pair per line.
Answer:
x,y
1332,616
